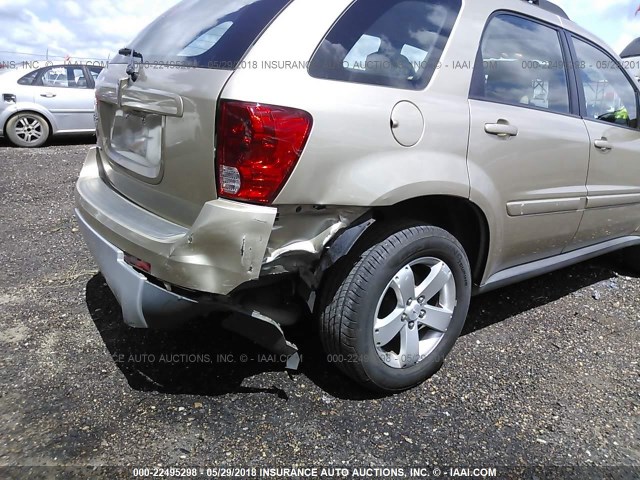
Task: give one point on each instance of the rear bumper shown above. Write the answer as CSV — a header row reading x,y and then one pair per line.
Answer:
x,y
223,249
143,304
146,305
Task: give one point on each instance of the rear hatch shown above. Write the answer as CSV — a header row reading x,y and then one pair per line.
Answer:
x,y
157,133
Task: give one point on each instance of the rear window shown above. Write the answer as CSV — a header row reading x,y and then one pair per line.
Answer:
x,y
28,78
393,43
95,72
205,33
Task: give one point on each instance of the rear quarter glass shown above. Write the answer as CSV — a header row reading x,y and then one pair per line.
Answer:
x,y
205,33
395,43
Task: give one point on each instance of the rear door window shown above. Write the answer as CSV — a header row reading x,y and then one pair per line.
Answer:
x,y
609,95
29,78
205,33
63,77
522,64
396,43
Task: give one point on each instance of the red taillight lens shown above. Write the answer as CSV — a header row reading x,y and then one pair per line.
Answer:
x,y
137,263
258,147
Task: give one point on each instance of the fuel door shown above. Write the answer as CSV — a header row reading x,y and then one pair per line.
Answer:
x,y
407,124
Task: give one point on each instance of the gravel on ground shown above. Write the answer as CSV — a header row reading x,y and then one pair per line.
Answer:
x,y
546,372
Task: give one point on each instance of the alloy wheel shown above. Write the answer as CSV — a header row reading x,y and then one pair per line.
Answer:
x,y
414,312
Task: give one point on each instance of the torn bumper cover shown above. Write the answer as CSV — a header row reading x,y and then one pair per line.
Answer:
x,y
229,245
145,304
222,250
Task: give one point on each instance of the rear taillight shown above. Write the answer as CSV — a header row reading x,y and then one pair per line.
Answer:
x,y
258,147
137,263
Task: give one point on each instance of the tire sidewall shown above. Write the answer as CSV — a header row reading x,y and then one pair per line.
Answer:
x,y
11,124
423,244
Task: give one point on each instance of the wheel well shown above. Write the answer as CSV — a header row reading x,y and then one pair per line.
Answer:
x,y
458,216
4,127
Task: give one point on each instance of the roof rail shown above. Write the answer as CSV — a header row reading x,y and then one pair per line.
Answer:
x,y
550,7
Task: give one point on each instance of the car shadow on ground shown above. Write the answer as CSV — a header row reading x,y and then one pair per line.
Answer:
x,y
58,141
204,359
71,140
200,358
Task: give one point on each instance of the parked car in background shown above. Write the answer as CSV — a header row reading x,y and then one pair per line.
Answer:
x,y
422,151
55,100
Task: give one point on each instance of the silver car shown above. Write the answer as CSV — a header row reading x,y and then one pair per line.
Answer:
x,y
38,103
372,163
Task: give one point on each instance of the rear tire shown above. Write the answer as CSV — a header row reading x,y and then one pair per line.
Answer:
x,y
27,130
375,335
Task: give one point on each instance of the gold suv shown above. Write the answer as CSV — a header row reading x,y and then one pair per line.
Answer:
x,y
367,164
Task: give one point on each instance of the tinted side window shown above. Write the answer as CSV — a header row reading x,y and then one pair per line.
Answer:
x,y
63,77
95,72
523,64
608,93
396,43
28,78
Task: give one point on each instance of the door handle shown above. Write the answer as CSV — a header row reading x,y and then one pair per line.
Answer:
x,y
603,145
48,95
503,130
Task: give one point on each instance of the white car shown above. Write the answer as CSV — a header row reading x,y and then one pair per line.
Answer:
x,y
38,103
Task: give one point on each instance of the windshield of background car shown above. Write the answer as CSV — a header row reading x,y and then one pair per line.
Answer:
x,y
205,33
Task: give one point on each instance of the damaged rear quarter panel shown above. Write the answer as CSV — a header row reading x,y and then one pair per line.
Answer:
x,y
300,235
226,236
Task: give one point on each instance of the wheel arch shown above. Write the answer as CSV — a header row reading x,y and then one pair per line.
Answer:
x,y
457,215
38,111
